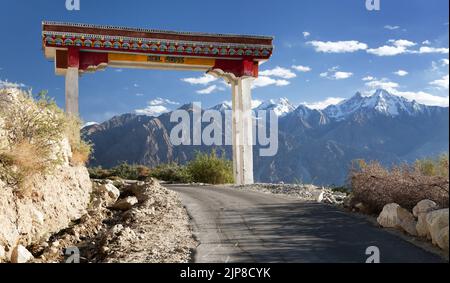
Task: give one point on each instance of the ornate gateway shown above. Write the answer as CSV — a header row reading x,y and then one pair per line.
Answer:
x,y
81,48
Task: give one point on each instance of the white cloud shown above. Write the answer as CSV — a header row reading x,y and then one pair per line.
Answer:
x,y
154,111
342,75
444,62
306,34
162,101
319,105
156,107
441,83
401,73
334,74
7,84
279,72
391,27
263,81
139,94
402,43
301,68
426,42
420,96
383,83
203,80
397,47
424,98
368,78
387,50
338,46
208,90
428,50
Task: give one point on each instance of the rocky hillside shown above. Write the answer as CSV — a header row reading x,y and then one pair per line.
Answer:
x,y
316,146
48,203
35,205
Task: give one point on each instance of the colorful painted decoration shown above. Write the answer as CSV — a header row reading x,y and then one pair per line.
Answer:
x,y
157,42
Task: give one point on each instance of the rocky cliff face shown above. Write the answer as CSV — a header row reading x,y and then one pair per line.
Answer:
x,y
57,198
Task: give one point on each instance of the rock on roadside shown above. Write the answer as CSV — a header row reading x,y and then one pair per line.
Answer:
x,y
394,216
21,255
125,204
388,217
436,221
420,211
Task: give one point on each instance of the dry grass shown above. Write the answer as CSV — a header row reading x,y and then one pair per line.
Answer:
x,y
21,162
81,150
376,186
34,127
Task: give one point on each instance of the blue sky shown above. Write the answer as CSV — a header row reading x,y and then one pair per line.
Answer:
x,y
326,50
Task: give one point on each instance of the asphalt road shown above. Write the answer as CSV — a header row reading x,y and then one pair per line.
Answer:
x,y
249,227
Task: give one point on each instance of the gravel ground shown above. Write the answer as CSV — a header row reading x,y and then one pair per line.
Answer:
x,y
155,230
309,193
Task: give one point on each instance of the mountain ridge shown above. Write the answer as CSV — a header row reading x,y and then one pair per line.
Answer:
x,y
314,145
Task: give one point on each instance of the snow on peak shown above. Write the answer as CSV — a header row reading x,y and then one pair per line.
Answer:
x,y
88,124
281,106
381,101
224,106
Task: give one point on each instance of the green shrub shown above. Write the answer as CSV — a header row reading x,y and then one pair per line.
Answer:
x,y
211,169
172,172
99,173
433,166
122,171
205,168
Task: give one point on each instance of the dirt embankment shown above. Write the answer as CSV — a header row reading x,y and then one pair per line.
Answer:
x,y
138,223
45,212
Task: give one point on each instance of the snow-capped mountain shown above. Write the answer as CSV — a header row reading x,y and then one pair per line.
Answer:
x,y
281,106
381,102
88,124
224,106
314,145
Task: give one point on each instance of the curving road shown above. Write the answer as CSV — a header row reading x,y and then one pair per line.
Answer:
x,y
249,227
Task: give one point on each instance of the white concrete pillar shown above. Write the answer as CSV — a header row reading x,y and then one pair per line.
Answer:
x,y
238,180
242,131
72,77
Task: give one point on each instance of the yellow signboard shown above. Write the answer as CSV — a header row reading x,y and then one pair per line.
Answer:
x,y
207,62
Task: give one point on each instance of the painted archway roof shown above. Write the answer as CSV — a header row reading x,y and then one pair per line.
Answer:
x,y
110,38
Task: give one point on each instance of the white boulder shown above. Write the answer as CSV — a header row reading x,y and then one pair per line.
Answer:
x,y
2,253
436,221
442,239
394,216
111,192
424,206
420,211
388,217
407,221
21,255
